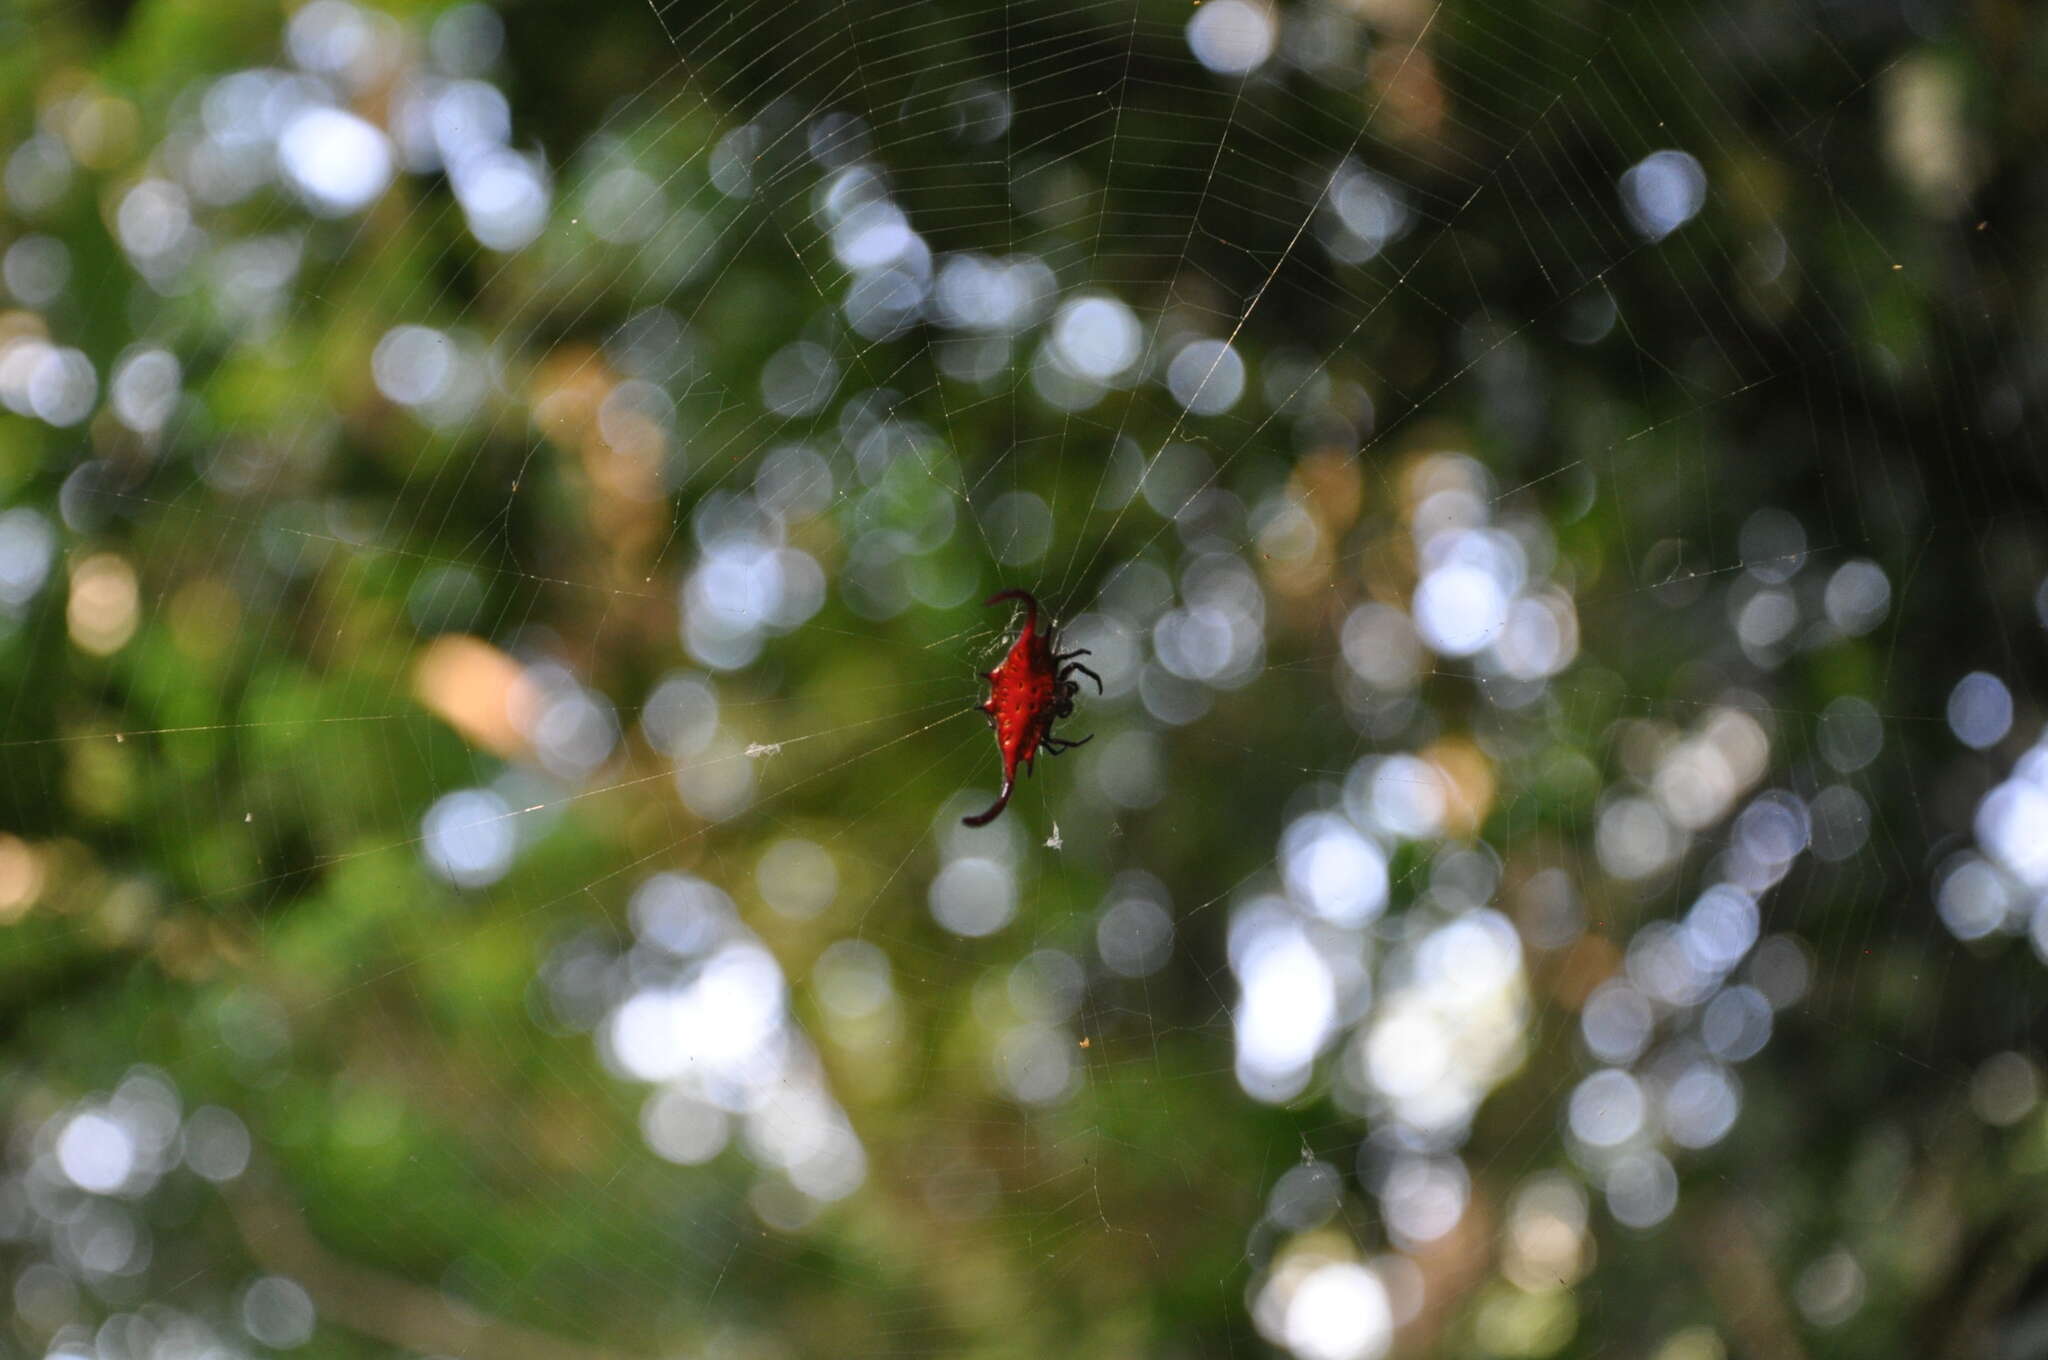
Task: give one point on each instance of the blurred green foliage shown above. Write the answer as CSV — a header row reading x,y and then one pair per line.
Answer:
x,y
224,743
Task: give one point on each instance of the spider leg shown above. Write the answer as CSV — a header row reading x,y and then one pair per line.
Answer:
x,y
1055,745
1077,666
1069,656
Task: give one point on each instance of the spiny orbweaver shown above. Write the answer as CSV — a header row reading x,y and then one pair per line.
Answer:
x,y
1030,691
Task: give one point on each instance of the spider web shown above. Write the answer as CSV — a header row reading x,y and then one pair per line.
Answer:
x,y
1486,494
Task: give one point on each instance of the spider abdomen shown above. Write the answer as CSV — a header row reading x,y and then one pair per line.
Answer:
x,y
1027,693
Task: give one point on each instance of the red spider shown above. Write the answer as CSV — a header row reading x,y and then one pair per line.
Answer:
x,y
1027,694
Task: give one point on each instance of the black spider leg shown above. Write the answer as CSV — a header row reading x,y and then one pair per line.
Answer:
x,y
1055,745
1077,666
